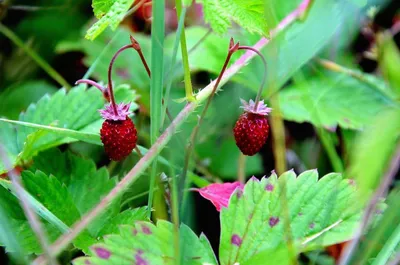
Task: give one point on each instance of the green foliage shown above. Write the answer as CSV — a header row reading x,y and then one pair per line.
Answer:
x,y
251,15
375,248
72,112
333,100
321,213
111,13
18,97
62,188
146,243
375,148
389,60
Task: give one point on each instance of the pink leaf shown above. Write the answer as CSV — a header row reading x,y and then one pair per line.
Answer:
x,y
219,193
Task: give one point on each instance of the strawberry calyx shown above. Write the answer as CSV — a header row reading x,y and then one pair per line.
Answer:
x,y
108,112
260,109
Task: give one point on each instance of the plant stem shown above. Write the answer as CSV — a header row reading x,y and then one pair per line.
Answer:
x,y
35,56
192,141
278,136
370,209
30,214
242,168
161,142
388,248
173,61
329,146
103,52
185,56
137,47
110,88
156,88
260,90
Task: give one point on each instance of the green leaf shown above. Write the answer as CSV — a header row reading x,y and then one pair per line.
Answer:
x,y
101,7
249,14
64,117
150,244
321,213
333,100
112,18
374,242
128,68
80,176
373,150
18,97
389,60
128,217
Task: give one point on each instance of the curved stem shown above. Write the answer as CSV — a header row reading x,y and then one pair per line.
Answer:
x,y
189,149
92,83
260,90
110,88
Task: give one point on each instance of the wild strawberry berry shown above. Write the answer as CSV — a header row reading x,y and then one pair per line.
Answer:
x,y
251,129
118,133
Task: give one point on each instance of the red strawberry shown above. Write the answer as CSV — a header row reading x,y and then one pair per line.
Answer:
x,y
251,129
118,132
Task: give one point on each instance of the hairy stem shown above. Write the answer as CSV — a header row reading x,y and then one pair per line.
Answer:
x,y
185,56
35,56
110,85
260,90
161,142
193,136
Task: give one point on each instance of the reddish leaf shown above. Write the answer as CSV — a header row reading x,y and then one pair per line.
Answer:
x,y
219,193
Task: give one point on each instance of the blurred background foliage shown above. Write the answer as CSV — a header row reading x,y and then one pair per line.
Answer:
x,y
335,77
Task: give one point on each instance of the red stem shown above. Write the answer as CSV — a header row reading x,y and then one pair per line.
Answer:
x,y
259,93
110,88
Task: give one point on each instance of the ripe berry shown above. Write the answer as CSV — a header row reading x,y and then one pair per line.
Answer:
x,y
118,133
251,129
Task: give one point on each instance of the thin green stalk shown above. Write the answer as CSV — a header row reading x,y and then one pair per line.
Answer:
x,y
122,186
175,213
156,88
181,25
278,136
242,168
388,249
35,56
329,146
185,57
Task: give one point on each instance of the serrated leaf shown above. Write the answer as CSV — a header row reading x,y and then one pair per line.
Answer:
x,y
100,7
112,18
150,244
63,116
128,217
86,185
18,97
331,101
321,213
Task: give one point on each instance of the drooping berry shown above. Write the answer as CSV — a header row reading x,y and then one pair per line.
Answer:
x,y
118,133
251,129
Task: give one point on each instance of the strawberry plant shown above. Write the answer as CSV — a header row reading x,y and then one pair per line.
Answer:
x,y
116,148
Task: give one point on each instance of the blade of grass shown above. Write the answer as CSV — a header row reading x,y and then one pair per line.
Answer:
x,y
389,247
156,88
185,56
330,149
35,56
161,142
172,67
